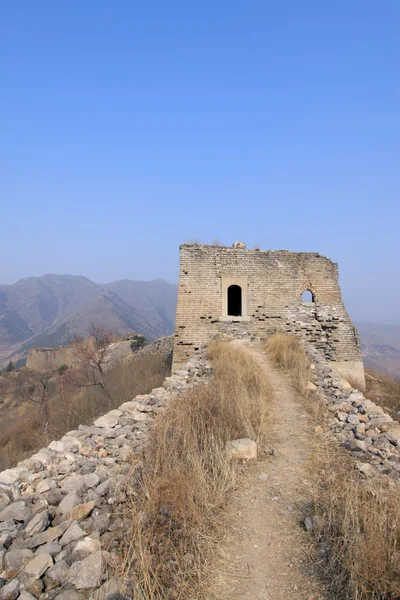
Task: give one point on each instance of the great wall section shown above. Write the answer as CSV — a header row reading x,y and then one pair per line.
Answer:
x,y
58,507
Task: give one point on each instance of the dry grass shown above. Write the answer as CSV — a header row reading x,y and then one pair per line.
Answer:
x,y
361,527
24,429
286,353
179,491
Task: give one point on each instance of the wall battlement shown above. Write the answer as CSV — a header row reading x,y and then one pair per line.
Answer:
x,y
232,290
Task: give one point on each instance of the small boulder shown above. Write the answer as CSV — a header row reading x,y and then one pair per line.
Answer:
x,y
242,448
10,591
17,511
38,565
38,523
15,560
87,573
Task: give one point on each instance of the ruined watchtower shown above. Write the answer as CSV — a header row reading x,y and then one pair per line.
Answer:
x,y
251,292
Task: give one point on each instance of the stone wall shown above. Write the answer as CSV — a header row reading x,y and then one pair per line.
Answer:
x,y
363,427
56,508
272,284
49,359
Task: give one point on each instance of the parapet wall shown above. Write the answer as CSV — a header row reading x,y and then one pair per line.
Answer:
x,y
272,283
43,359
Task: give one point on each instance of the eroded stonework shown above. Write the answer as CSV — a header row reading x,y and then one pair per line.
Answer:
x,y
272,284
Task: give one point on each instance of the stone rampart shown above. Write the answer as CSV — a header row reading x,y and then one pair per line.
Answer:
x,y
244,292
362,426
49,359
56,508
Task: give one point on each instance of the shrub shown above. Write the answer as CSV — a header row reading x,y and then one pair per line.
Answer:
x,y
286,353
138,341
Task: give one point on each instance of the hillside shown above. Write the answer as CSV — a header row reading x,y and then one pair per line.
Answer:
x,y
381,347
50,310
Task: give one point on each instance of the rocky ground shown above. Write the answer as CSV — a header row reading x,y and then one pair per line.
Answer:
x,y
57,508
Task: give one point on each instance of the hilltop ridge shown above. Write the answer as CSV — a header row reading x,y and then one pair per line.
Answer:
x,y
50,310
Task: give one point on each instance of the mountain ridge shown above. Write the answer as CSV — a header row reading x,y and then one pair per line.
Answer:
x,y
53,308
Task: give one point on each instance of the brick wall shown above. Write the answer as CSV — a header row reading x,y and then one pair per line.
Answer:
x,y
274,283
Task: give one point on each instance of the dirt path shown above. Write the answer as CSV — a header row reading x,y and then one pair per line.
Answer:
x,y
263,550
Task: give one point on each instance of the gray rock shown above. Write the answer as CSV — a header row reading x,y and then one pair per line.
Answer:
x,y
51,548
31,585
101,523
56,575
5,539
15,560
83,549
353,419
26,596
69,501
53,496
45,485
38,565
4,500
73,533
11,475
38,523
108,420
242,448
51,534
91,480
86,574
18,511
74,483
365,468
104,487
356,445
10,591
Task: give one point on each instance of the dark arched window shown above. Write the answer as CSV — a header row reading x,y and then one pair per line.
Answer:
x,y
234,301
307,296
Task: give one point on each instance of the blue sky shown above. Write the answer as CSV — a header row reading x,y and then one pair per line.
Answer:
x,y
127,128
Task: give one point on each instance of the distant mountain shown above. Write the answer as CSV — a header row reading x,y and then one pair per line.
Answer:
x,y
49,310
381,347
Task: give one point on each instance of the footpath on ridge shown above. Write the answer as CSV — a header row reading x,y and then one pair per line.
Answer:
x,y
263,552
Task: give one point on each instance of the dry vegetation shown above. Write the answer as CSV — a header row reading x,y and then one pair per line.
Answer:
x,y
358,537
286,353
178,492
41,412
360,532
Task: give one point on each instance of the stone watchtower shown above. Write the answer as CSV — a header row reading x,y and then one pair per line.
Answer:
x,y
255,293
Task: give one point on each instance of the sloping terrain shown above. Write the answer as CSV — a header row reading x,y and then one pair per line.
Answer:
x,y
50,310
381,347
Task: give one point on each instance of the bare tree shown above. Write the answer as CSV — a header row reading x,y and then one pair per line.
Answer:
x,y
39,386
91,354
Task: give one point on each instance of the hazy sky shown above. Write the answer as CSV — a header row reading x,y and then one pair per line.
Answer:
x,y
129,127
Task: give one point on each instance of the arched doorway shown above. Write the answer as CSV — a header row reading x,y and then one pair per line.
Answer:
x,y
307,297
234,301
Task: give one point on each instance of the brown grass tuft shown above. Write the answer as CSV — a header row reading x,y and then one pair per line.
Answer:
x,y
186,475
286,353
361,528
